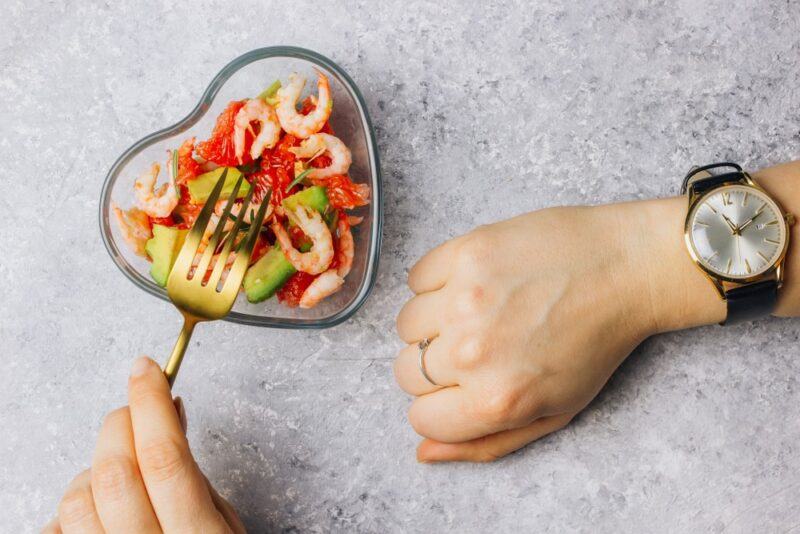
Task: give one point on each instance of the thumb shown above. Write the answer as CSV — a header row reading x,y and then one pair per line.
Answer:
x,y
493,446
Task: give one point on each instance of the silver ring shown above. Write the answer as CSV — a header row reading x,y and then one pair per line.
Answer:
x,y
423,348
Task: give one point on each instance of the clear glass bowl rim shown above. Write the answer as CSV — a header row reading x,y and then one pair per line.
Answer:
x,y
199,110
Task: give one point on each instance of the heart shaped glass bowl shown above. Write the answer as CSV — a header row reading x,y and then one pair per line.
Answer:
x,y
244,77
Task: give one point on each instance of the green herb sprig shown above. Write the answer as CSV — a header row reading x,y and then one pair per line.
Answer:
x,y
297,180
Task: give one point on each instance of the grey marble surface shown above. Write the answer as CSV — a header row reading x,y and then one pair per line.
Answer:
x,y
483,110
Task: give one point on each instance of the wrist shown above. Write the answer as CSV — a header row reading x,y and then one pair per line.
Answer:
x,y
673,290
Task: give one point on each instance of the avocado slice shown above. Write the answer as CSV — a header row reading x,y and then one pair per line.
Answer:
x,y
200,188
314,197
267,275
163,249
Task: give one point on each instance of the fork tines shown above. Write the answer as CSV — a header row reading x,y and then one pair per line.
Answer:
x,y
191,248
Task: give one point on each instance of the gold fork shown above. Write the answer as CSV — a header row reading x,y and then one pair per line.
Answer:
x,y
200,300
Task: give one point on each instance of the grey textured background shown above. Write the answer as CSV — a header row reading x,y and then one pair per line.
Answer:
x,y
482,111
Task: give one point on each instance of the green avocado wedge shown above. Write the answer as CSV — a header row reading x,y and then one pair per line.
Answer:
x,y
200,188
314,197
163,249
267,275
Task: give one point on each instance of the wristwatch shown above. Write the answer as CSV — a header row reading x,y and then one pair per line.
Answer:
x,y
738,236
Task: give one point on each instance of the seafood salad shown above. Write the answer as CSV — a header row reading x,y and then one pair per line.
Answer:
x,y
291,158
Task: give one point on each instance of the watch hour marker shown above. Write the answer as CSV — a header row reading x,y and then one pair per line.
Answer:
x,y
726,199
728,267
714,255
744,199
760,255
710,207
701,223
768,240
747,266
772,222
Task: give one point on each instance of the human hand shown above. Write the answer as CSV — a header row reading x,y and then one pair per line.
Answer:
x,y
529,317
143,476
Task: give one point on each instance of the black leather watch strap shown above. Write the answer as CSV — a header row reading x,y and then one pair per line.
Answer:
x,y
701,185
706,184
749,302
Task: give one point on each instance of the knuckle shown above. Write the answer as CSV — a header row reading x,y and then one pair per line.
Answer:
x,y
476,249
497,408
471,301
76,505
113,476
162,460
471,352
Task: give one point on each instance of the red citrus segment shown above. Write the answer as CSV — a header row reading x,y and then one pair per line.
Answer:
x,y
293,289
219,147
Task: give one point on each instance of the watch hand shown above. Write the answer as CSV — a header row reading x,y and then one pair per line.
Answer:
x,y
738,248
729,223
750,220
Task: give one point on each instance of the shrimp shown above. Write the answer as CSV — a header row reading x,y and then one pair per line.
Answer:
x,y
324,285
135,227
310,148
216,217
255,110
298,125
316,260
346,247
341,158
156,203
331,280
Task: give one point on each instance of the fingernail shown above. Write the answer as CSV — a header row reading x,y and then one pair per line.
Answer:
x,y
181,413
140,366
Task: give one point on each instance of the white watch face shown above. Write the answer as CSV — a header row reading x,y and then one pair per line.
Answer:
x,y
737,231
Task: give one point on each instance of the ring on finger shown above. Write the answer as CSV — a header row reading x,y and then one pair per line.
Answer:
x,y
423,348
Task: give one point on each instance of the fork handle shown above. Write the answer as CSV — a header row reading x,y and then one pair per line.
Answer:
x,y
175,359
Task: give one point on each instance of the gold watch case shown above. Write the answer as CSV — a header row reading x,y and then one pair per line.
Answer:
x,y
724,283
